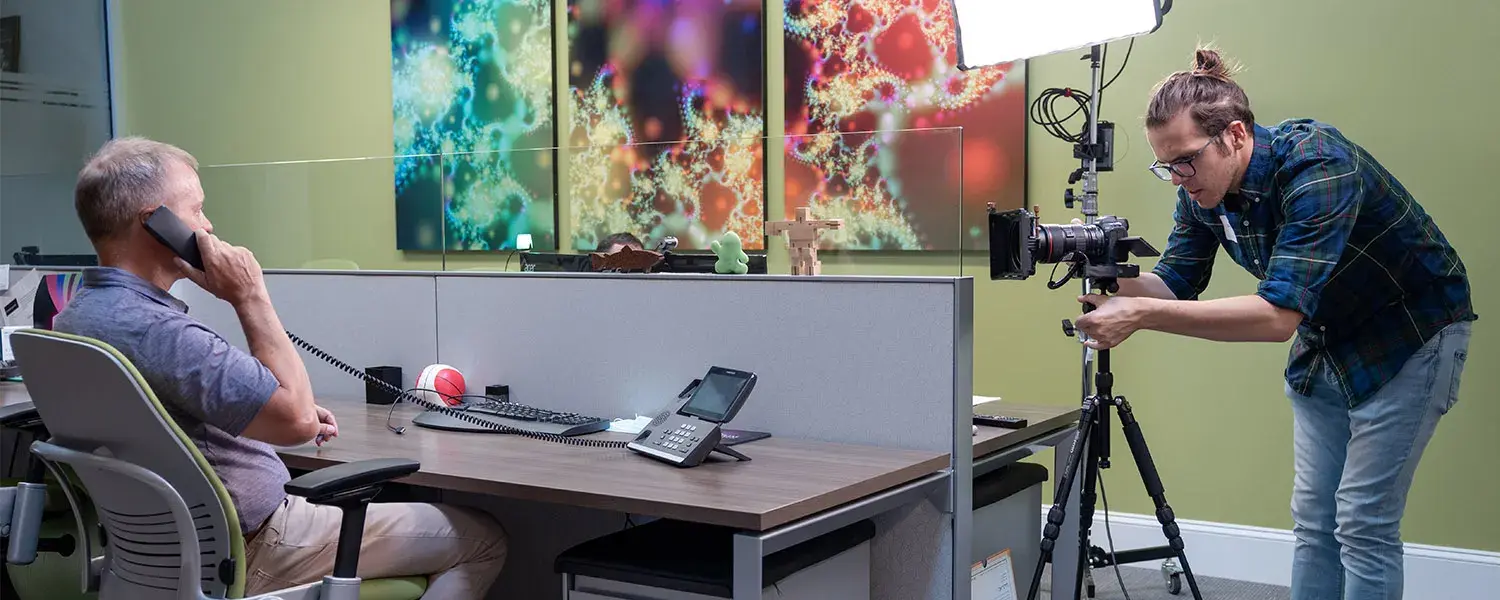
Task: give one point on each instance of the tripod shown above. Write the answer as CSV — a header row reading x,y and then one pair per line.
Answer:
x,y
1093,430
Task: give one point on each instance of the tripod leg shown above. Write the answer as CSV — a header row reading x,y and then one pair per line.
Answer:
x,y
1055,516
1154,488
1086,502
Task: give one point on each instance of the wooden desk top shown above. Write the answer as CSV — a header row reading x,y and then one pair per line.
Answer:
x,y
1040,420
786,480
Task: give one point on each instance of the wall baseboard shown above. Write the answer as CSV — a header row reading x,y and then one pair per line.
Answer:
x,y
1264,555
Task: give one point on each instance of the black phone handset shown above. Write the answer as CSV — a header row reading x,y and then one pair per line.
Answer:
x,y
174,234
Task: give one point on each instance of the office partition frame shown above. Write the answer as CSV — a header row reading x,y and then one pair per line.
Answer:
x,y
883,361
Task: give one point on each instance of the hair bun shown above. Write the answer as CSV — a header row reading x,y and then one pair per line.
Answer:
x,y
1209,63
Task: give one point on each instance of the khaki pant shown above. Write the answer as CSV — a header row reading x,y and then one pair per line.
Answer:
x,y
460,550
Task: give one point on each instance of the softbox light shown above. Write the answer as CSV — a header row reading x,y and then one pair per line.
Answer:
x,y
992,32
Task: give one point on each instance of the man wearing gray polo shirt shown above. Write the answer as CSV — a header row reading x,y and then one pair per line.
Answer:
x,y
233,404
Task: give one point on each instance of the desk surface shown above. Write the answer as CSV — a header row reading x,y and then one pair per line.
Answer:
x,y
1040,420
13,391
786,479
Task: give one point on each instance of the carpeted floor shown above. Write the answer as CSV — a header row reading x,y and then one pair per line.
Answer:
x,y
1148,584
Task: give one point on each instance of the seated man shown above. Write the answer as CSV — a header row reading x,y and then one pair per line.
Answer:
x,y
234,404
617,242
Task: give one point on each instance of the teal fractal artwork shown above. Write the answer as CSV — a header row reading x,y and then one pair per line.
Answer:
x,y
473,125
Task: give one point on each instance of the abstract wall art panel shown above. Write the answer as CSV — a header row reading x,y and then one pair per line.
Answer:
x,y
667,129
472,102
885,68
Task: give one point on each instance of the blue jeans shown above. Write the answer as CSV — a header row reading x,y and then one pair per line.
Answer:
x,y
1353,470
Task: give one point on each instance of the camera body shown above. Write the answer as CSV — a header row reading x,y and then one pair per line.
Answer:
x,y
1097,251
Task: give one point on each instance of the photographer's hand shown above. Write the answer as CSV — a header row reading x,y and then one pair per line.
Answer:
x,y
1113,319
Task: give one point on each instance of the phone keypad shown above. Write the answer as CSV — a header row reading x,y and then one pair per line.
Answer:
x,y
682,439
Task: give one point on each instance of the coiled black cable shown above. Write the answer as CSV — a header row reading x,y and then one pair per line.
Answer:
x,y
1045,109
456,413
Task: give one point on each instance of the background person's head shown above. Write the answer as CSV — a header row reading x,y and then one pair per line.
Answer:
x,y
618,241
119,187
1202,130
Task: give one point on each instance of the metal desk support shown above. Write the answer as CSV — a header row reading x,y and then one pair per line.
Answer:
x,y
750,549
996,460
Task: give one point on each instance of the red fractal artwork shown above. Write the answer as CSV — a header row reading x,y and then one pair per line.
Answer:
x,y
874,107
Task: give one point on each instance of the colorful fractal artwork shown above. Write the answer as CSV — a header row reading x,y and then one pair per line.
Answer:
x,y
668,120
473,123
881,72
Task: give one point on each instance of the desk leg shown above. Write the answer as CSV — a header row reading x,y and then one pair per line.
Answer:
x,y
748,554
1065,554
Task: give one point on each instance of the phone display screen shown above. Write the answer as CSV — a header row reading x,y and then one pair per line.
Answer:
x,y
715,397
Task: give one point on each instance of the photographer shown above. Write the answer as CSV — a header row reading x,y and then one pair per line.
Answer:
x,y
1347,260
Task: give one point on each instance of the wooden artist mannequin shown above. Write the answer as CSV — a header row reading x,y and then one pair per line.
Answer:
x,y
802,239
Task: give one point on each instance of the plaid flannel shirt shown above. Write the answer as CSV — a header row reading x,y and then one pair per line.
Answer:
x,y
1330,234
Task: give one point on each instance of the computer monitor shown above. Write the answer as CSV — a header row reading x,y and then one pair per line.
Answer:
x,y
672,262
675,262
32,256
553,262
53,296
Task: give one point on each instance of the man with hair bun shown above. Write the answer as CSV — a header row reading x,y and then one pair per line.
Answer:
x,y
1347,260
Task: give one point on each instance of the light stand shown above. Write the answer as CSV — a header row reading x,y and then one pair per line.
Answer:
x,y
1015,239
1090,448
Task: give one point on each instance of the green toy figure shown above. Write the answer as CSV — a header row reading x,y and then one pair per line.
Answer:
x,y
732,257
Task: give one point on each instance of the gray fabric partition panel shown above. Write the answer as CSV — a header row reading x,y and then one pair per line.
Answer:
x,y
852,360
857,360
362,320
863,360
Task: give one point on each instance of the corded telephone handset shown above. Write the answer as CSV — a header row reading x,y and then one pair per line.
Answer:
x,y
686,436
174,234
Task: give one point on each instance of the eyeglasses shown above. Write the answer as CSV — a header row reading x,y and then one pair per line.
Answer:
x,y
1183,167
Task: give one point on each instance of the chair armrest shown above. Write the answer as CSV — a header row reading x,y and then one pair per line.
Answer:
x,y
350,486
329,484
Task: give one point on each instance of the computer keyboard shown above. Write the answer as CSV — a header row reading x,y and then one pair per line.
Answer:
x,y
513,415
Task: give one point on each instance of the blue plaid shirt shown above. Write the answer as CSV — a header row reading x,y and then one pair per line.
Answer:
x,y
1330,234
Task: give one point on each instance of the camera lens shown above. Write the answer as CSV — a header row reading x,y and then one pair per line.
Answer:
x,y
1056,242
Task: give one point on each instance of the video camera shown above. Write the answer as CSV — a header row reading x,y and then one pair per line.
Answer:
x,y
1097,251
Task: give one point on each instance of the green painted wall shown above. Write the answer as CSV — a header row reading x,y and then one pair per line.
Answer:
x,y
286,80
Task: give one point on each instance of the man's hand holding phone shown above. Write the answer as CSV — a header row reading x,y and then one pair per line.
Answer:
x,y
230,272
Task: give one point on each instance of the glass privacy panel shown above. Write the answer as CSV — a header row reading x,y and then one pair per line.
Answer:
x,y
897,197
54,113
331,214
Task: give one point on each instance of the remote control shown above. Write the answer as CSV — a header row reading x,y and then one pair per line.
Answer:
x,y
999,421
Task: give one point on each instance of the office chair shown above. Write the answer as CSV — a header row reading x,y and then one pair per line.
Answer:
x,y
41,556
170,525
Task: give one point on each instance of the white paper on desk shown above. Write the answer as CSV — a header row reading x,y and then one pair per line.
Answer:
x,y
17,303
4,277
993,578
978,400
630,426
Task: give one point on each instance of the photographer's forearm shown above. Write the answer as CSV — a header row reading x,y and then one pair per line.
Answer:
x,y
1238,319
1148,285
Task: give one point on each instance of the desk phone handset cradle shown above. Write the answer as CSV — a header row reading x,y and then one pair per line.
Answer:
x,y
685,437
174,234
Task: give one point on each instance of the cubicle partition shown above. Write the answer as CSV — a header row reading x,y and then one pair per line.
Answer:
x,y
881,361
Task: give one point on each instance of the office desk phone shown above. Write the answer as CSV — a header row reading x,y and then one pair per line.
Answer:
x,y
685,437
